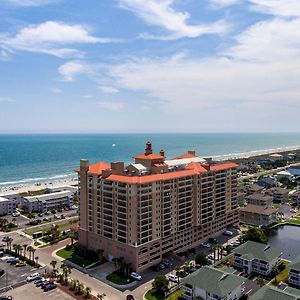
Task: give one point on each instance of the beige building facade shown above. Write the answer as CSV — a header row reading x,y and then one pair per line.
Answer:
x,y
154,206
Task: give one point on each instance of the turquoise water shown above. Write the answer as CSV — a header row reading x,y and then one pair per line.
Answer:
x,y
36,158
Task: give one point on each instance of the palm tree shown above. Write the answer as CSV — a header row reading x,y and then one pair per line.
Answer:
x,y
88,291
33,250
66,271
36,260
24,248
15,248
29,249
72,237
74,283
53,264
13,220
101,296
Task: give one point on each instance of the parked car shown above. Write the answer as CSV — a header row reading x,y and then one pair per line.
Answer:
x,y
53,211
14,261
129,297
66,208
49,287
173,278
206,245
40,214
42,282
2,245
56,217
213,241
136,276
33,277
5,297
10,259
21,264
15,214
59,210
155,268
228,232
46,213
37,281
5,238
166,263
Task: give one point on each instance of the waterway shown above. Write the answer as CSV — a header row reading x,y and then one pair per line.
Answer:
x,y
287,238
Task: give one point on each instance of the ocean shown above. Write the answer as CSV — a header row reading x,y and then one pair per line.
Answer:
x,y
40,158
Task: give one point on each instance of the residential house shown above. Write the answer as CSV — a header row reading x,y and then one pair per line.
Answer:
x,y
294,272
296,198
6,206
294,170
256,257
267,182
280,195
209,283
260,199
253,188
47,202
271,293
284,175
258,215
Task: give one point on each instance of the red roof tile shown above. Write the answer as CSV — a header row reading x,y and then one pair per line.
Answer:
x,y
187,155
223,166
98,168
149,156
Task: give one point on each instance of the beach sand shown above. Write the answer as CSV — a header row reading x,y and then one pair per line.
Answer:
x,y
38,186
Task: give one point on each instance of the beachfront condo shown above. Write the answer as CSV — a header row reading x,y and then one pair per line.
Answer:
x,y
154,206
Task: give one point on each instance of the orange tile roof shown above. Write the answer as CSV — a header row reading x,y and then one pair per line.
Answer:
x,y
186,155
197,167
151,178
98,168
223,166
149,156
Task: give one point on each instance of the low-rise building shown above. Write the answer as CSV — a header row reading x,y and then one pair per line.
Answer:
x,y
294,272
241,198
275,157
267,182
295,197
6,207
14,197
284,175
63,188
280,195
253,188
258,215
294,170
260,199
256,257
47,202
209,283
271,293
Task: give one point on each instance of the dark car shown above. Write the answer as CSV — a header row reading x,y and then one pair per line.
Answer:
x,y
213,241
15,261
155,268
50,287
5,297
59,210
53,211
129,297
166,263
37,281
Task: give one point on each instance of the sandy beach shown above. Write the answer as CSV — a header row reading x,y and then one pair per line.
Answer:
x,y
38,186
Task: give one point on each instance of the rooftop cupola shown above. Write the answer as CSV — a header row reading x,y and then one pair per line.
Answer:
x,y
148,149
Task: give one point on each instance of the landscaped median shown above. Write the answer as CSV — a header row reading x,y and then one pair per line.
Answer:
x,y
153,295
78,255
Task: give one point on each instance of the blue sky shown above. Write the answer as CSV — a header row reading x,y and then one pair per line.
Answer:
x,y
149,66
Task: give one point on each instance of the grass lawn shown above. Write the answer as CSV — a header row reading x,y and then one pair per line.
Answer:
x,y
283,275
78,260
151,295
117,279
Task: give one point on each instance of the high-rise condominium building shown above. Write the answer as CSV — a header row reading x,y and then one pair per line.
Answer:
x,y
154,206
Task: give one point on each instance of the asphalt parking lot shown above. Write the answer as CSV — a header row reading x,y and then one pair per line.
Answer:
x,y
15,275
30,292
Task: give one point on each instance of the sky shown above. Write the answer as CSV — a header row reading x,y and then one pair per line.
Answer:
x,y
106,66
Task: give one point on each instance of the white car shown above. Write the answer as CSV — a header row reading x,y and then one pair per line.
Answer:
x,y
173,278
136,276
33,277
206,245
16,214
228,232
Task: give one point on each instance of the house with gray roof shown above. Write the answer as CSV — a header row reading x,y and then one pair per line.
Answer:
x,y
260,199
209,283
271,293
294,272
280,195
256,257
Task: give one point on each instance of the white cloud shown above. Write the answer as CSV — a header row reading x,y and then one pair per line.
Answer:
x,y
262,69
71,69
108,90
50,38
223,3
111,106
283,8
56,90
160,13
30,2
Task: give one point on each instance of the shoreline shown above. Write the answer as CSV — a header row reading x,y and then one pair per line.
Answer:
x,y
24,186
